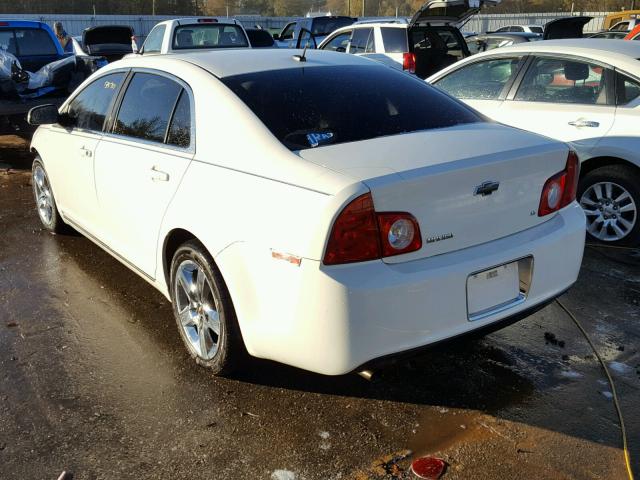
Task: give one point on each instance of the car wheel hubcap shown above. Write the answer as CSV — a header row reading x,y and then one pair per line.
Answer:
x,y
198,309
44,199
610,209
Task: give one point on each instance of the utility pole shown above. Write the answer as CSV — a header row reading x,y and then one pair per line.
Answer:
x,y
153,8
363,4
349,7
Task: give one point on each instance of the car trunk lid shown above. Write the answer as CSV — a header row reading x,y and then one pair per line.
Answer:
x,y
569,27
465,185
111,41
448,11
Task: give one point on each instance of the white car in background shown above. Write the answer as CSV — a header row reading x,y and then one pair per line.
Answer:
x,y
195,34
585,92
521,28
320,211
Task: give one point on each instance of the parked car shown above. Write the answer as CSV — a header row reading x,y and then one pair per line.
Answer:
x,y
621,21
184,34
32,43
110,41
310,31
539,29
609,35
321,234
585,92
565,27
426,44
489,41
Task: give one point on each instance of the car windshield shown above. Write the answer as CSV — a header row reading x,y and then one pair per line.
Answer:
x,y
208,35
326,25
316,106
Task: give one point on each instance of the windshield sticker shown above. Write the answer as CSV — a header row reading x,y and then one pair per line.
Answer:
x,y
319,138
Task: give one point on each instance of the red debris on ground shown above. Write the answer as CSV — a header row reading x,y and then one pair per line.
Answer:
x,y
430,468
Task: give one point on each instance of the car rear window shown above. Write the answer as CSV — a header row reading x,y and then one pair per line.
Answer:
x,y
326,25
394,39
316,106
208,35
27,41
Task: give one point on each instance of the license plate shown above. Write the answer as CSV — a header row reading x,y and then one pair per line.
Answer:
x,y
492,289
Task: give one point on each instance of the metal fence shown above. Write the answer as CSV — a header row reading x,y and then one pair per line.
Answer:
x,y
142,24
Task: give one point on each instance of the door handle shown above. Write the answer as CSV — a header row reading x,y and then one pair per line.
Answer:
x,y
159,175
87,151
584,123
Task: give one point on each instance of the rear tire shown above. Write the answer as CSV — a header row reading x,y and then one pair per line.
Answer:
x,y
204,312
610,197
45,202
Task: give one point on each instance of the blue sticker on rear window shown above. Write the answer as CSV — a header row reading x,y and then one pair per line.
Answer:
x,y
319,138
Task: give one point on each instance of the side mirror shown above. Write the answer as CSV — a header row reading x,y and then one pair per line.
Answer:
x,y
276,36
43,115
341,50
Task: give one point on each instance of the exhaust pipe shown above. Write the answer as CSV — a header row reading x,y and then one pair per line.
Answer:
x,y
366,374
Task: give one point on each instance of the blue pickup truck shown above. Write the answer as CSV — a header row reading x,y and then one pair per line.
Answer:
x,y
33,43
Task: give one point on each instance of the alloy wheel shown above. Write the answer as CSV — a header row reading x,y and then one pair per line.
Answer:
x,y
44,198
197,309
610,209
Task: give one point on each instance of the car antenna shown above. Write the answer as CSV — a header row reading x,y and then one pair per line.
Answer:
x,y
303,57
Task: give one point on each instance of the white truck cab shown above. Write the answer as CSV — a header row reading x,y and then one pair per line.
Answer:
x,y
195,34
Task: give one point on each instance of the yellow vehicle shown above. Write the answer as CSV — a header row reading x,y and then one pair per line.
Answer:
x,y
622,21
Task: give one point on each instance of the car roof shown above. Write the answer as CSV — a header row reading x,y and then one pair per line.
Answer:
x,y
603,50
239,61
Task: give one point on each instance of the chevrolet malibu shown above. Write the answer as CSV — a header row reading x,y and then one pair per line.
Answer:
x,y
317,209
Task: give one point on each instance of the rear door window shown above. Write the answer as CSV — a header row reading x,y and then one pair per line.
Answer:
x,y
394,40
361,41
483,80
147,107
153,43
180,127
90,107
556,80
627,90
305,107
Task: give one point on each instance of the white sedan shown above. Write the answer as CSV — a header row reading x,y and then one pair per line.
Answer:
x,y
585,92
320,211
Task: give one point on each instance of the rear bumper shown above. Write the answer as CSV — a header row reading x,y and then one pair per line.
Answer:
x,y
331,320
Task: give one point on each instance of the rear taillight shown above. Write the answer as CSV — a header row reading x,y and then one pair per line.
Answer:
x,y
359,233
409,62
560,190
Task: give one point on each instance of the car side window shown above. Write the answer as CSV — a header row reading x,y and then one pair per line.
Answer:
x,y
483,80
90,107
338,43
395,39
180,127
360,40
287,33
502,29
627,89
146,107
556,80
153,43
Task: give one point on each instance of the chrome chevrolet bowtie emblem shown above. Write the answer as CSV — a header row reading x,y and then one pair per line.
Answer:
x,y
486,188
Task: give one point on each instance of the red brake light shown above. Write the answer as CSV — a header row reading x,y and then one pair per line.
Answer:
x,y
409,62
360,234
560,190
4,24
354,236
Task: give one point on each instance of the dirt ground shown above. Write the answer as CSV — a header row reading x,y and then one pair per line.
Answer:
x,y
94,380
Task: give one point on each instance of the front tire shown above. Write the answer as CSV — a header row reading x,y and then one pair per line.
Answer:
x,y
203,310
45,202
610,198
